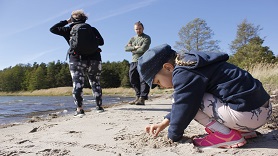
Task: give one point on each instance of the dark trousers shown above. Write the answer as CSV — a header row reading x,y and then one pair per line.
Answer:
x,y
141,88
91,69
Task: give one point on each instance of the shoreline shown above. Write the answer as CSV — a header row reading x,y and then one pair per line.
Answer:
x,y
40,115
119,131
60,113
50,116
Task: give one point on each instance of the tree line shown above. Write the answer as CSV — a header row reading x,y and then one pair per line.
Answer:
x,y
247,50
56,74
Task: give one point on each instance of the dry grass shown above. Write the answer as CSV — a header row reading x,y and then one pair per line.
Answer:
x,y
60,91
267,74
66,91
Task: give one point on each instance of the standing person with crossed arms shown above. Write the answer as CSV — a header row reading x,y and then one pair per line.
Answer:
x,y
138,45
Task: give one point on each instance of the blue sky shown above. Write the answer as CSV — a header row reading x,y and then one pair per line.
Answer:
x,y
25,36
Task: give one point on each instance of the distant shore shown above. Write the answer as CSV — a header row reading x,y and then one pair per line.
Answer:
x,y
66,91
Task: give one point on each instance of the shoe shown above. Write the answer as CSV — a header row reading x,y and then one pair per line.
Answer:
x,y
134,101
208,130
99,109
246,135
141,101
80,113
217,139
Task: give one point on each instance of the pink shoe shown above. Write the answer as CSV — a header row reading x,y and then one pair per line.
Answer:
x,y
246,135
217,139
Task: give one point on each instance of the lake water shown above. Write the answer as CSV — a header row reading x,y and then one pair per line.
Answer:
x,y
15,109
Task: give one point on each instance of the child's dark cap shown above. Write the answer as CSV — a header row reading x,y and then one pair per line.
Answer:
x,y
151,62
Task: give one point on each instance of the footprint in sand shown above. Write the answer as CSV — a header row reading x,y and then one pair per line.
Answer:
x,y
40,128
23,141
53,152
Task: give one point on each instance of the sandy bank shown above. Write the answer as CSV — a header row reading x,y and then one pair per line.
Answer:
x,y
118,131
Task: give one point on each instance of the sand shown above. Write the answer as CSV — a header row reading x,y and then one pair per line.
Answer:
x,y
119,131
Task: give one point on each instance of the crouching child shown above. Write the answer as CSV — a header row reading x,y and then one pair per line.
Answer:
x,y
225,99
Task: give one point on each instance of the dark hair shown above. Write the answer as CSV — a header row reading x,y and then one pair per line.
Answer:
x,y
139,23
173,58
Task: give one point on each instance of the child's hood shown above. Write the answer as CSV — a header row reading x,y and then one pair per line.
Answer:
x,y
194,60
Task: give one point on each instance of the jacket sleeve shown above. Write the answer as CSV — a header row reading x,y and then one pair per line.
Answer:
x,y
189,89
59,28
129,47
145,46
99,37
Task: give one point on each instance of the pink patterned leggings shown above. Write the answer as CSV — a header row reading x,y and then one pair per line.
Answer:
x,y
213,108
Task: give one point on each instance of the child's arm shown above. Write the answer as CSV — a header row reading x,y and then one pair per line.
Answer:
x,y
154,129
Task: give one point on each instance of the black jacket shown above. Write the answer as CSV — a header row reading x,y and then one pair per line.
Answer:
x,y
63,30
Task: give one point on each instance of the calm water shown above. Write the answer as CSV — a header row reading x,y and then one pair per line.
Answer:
x,y
14,109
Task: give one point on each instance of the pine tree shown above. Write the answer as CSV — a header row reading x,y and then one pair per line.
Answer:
x,y
252,53
196,36
245,32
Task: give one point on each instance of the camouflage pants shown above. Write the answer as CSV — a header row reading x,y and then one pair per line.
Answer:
x,y
78,71
215,109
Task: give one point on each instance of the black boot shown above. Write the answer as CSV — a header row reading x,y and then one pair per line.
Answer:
x,y
98,107
141,101
134,101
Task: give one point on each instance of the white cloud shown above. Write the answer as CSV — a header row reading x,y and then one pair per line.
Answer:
x,y
57,15
37,56
122,10
126,8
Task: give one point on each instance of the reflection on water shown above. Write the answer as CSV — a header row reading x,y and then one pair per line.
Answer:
x,y
19,108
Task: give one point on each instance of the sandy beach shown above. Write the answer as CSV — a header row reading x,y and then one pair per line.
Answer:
x,y
120,131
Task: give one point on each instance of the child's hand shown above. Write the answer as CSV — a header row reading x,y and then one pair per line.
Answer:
x,y
154,129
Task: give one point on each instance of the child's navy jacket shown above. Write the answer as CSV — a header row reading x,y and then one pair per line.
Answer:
x,y
211,74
